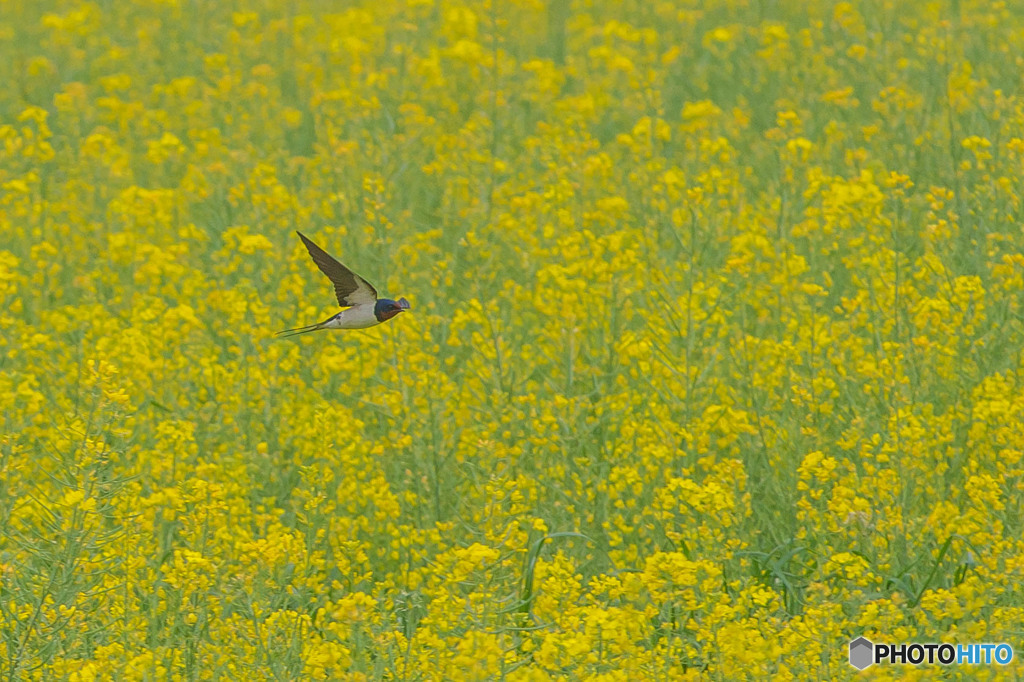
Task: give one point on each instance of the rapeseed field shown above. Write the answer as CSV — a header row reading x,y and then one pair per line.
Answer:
x,y
714,361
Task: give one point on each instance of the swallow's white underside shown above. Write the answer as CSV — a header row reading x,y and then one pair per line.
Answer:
x,y
357,317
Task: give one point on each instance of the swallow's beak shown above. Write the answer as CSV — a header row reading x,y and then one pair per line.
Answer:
x,y
403,304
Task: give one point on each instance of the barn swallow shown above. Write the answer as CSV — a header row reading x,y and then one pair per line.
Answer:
x,y
362,307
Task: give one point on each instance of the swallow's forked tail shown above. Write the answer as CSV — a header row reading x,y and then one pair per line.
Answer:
x,y
299,330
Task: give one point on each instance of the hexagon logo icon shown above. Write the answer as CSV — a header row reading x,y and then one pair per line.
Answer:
x,y
861,653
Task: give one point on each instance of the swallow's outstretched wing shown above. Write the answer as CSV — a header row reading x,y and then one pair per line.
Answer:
x,y
350,288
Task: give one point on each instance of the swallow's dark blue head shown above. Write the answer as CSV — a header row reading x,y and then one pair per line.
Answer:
x,y
384,309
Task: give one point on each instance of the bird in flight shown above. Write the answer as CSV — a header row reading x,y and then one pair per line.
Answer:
x,y
362,307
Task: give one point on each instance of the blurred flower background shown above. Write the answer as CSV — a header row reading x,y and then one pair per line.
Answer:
x,y
714,362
